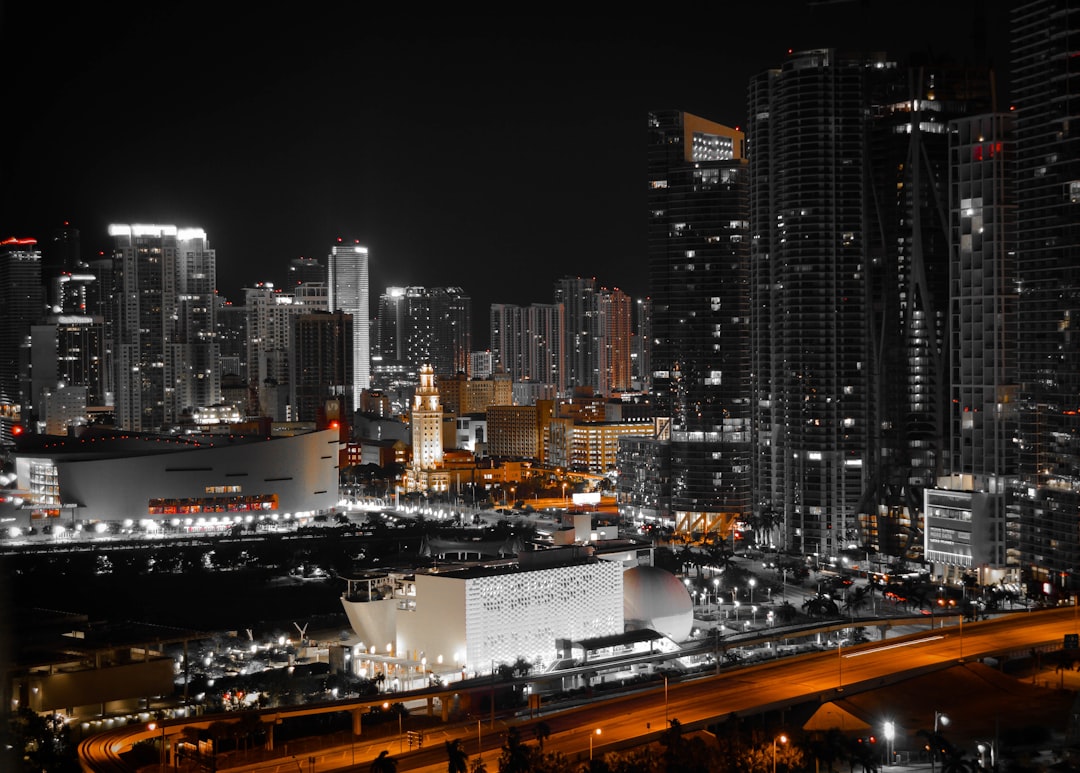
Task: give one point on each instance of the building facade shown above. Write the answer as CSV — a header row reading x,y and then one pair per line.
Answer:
x,y
348,283
699,291
1045,85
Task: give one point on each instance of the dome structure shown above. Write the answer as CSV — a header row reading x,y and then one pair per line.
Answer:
x,y
656,599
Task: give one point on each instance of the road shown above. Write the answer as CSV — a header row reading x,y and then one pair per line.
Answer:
x,y
637,718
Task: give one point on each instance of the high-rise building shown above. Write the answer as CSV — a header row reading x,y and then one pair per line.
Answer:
x,y
811,305
195,351
850,260
526,341
613,342
166,356
576,295
966,527
23,303
425,325
306,271
69,351
698,284
269,319
144,266
347,271
643,345
321,355
1045,84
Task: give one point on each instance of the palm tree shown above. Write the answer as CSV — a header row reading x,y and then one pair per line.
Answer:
x,y
820,606
457,759
384,763
516,756
542,731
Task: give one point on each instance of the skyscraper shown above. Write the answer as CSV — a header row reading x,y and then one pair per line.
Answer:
x,y
348,271
144,265
1046,97
23,302
576,294
166,356
321,363
811,310
196,354
425,325
614,340
967,532
849,166
698,283
526,342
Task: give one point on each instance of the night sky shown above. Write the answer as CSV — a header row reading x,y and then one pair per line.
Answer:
x,y
489,152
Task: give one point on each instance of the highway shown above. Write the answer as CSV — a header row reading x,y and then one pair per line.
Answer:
x,y
632,719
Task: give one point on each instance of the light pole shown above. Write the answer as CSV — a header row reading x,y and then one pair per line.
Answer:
x,y
161,757
752,582
890,733
716,592
595,732
939,719
782,739
839,665
386,707
665,702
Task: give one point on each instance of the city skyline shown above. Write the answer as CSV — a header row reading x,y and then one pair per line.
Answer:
x,y
440,153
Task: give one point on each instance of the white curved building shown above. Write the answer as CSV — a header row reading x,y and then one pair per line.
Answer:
x,y
108,476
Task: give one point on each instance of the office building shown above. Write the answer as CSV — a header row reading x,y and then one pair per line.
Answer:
x,y
699,238
348,279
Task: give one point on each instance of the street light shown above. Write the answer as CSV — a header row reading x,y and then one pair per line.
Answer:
x,y
986,747
161,757
716,592
752,582
782,739
596,732
665,701
890,733
386,707
939,719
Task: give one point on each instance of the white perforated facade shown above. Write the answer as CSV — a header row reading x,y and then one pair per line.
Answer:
x,y
479,616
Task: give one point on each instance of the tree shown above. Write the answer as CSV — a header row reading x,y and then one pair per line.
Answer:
x,y
820,606
516,756
457,761
384,763
541,731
